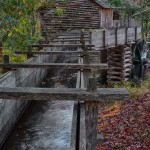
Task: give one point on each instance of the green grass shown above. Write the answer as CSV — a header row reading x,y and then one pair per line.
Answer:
x,y
136,88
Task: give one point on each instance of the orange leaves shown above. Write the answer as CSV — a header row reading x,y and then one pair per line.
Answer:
x,y
126,125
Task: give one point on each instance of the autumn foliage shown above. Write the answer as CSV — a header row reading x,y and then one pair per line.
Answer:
x,y
126,125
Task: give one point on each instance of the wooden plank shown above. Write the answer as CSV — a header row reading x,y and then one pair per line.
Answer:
x,y
116,37
67,40
91,121
56,52
91,117
74,128
123,36
65,65
78,82
82,76
104,38
60,45
69,94
82,127
126,35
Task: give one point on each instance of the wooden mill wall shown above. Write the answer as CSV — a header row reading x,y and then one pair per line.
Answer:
x,y
78,14
106,15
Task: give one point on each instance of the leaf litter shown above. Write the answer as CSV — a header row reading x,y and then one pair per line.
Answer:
x,y
125,125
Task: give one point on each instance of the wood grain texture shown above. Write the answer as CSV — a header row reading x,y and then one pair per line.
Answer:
x,y
124,36
57,52
69,94
74,128
82,127
60,45
91,121
45,65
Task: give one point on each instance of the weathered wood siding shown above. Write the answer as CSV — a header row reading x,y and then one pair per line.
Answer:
x,y
120,23
10,110
106,20
79,14
107,38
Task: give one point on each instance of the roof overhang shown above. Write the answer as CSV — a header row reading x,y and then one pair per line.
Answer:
x,y
104,4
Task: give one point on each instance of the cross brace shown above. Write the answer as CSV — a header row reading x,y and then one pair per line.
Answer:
x,y
57,52
69,94
60,45
45,65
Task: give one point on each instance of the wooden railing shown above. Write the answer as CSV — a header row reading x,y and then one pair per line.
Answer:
x,y
111,38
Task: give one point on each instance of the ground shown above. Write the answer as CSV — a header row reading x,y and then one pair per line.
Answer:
x,y
125,125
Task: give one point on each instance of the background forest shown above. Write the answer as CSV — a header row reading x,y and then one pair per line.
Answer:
x,y
20,22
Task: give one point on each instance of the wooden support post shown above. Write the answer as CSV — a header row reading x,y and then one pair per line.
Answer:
x,y
40,46
6,61
82,41
135,33
92,84
104,39
82,144
29,50
116,37
82,38
91,117
103,54
91,121
74,140
90,37
86,57
91,112
126,35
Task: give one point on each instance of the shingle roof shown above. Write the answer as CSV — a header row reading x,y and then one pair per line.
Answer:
x,y
103,3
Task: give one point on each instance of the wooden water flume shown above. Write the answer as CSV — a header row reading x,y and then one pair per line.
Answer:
x,y
86,94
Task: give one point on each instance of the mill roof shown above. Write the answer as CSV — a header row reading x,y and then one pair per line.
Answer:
x,y
103,3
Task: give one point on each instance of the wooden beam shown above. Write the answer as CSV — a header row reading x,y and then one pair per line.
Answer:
x,y
6,60
135,33
60,45
91,121
116,37
45,65
78,80
67,40
83,142
104,39
74,129
68,94
126,35
56,52
91,116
